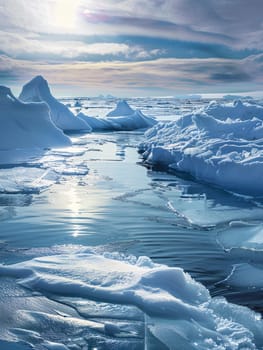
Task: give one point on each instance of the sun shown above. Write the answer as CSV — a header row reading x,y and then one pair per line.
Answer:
x,y
66,13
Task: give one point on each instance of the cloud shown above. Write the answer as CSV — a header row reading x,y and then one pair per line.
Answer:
x,y
236,23
112,43
231,22
33,46
164,75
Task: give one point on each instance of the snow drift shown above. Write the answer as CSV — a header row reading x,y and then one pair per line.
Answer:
x,y
180,312
219,144
27,125
37,90
123,117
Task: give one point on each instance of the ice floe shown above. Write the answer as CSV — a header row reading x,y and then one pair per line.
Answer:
x,y
122,118
219,144
179,311
243,241
37,90
246,275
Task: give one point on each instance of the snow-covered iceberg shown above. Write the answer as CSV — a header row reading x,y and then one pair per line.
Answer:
x,y
37,90
122,109
179,311
122,118
220,144
26,125
234,110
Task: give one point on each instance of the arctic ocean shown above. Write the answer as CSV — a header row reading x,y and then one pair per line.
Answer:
x,y
103,246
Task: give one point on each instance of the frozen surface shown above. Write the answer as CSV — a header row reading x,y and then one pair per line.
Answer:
x,y
225,152
244,242
122,118
179,310
246,275
25,128
37,90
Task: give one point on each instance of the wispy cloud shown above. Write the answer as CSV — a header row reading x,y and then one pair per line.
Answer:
x,y
232,22
33,46
165,75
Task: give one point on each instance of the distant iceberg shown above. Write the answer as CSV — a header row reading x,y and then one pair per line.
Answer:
x,y
122,109
37,90
122,118
218,144
26,125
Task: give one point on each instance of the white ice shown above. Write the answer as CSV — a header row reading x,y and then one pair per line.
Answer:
x,y
27,125
179,310
122,118
37,90
225,152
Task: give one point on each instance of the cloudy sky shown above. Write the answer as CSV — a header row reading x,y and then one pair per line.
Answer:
x,y
133,47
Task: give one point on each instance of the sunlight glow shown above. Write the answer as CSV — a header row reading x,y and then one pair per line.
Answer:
x,y
65,13
73,202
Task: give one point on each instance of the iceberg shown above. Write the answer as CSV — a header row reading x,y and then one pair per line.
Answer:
x,y
26,126
37,90
179,311
122,118
220,144
234,110
122,109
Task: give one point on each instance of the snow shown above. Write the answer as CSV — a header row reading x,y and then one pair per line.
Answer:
x,y
218,144
122,109
26,126
122,118
37,90
234,110
178,309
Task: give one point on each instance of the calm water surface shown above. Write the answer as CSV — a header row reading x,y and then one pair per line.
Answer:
x,y
123,206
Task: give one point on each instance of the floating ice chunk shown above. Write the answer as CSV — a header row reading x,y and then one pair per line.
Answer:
x,y
122,109
242,236
54,346
123,118
26,180
136,120
226,153
37,90
246,276
180,310
26,126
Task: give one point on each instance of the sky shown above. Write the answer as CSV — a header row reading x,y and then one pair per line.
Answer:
x,y
133,47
